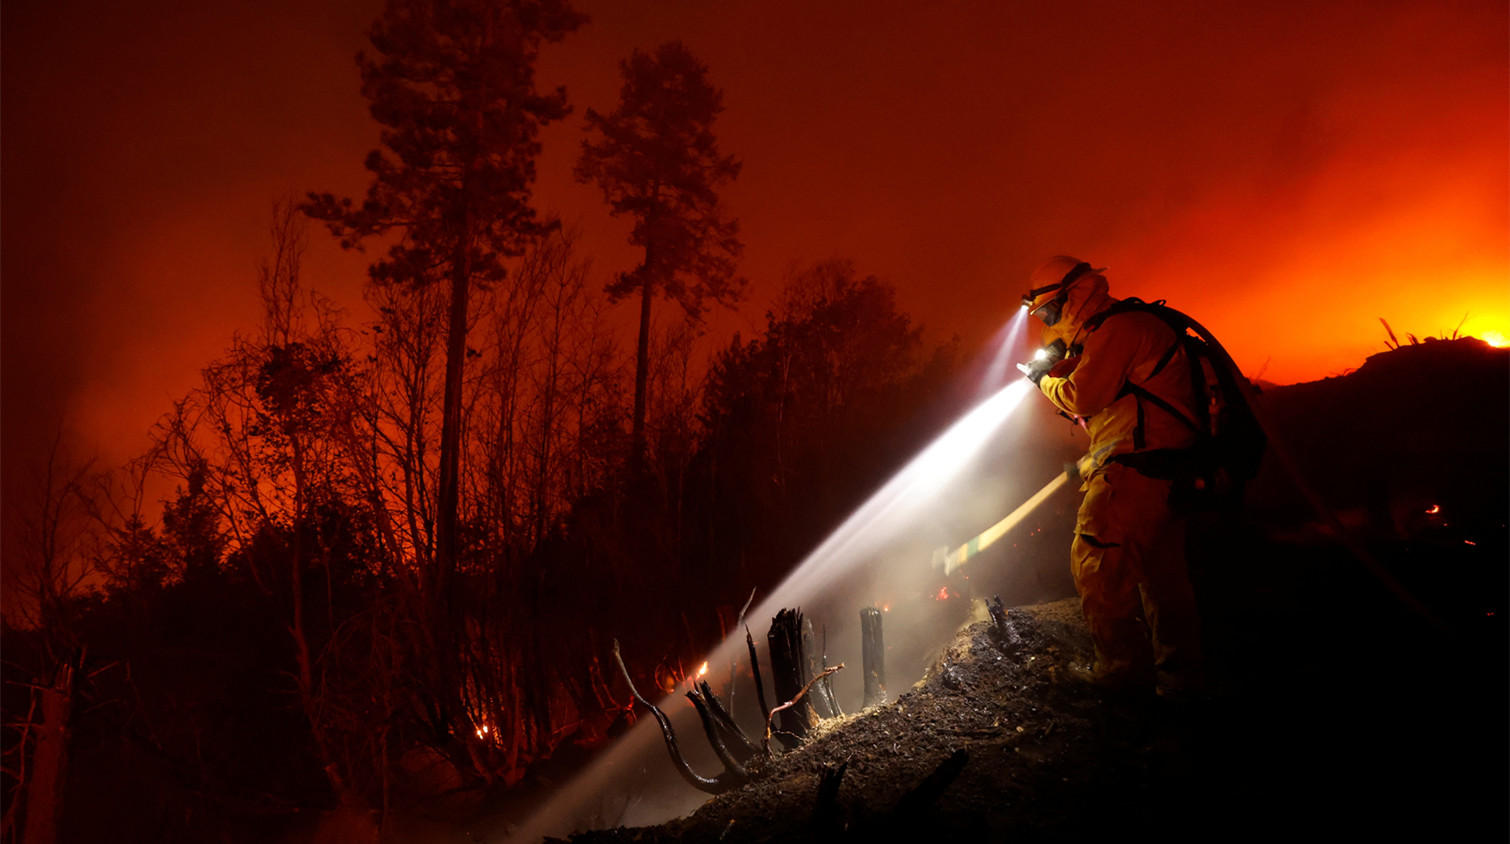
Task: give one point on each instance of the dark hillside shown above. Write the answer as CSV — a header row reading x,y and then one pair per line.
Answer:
x,y
1336,710
1414,427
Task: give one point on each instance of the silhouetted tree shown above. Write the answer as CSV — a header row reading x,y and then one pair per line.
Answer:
x,y
452,82
806,419
656,159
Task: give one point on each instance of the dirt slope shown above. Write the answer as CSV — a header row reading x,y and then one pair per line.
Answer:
x,y
1360,721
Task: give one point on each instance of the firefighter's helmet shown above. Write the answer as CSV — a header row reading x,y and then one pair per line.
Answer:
x,y
1049,286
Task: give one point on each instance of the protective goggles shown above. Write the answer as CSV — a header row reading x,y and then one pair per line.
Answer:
x,y
1051,310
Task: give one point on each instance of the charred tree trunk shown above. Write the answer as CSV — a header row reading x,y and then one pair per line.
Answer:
x,y
637,450
823,697
44,792
872,656
449,495
789,671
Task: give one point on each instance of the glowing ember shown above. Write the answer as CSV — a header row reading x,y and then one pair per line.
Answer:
x,y
483,731
943,594
1435,509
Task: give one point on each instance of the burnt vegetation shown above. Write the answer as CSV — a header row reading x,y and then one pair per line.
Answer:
x,y
270,650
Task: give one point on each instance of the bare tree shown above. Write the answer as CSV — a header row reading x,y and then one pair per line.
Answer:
x,y
51,570
270,433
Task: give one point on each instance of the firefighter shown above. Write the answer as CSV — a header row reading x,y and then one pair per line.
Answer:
x,y
1128,553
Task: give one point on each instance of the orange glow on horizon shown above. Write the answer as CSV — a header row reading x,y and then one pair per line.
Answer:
x,y
1301,300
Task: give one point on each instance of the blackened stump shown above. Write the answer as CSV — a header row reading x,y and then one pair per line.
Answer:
x,y
872,656
789,670
812,666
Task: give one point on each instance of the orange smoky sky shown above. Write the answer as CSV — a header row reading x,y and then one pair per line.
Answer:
x,y
1287,172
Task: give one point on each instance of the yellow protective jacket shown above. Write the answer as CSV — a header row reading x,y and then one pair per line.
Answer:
x,y
1126,348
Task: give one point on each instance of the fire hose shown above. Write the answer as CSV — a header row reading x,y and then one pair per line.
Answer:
x,y
949,560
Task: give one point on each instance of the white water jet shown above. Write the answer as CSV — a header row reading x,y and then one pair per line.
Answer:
x,y
883,547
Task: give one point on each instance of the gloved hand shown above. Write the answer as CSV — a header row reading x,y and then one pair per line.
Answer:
x,y
1035,369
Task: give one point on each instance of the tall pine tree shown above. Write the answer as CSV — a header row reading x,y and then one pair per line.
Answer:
x,y
656,159
452,82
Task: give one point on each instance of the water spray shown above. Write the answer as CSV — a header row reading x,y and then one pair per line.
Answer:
x,y
864,546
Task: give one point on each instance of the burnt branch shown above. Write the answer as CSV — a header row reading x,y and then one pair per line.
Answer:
x,y
765,709
744,609
766,744
732,767
1002,630
916,802
739,743
828,682
710,785
826,820
734,663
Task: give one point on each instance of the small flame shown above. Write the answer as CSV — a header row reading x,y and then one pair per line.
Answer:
x,y
1435,509
703,670
1495,339
483,731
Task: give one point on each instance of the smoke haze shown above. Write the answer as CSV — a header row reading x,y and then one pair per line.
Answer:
x,y
1286,172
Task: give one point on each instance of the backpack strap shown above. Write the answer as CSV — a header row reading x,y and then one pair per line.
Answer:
x,y
1158,309
1131,303
1166,357
1144,395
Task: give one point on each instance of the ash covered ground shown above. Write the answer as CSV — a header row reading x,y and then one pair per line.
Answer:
x,y
1336,708
1363,722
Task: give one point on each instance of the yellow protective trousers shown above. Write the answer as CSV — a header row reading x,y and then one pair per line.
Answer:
x,y
1128,561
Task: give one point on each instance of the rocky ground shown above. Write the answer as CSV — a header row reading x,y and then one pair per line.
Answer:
x,y
1334,711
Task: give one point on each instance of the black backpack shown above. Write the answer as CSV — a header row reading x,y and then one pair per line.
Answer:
x,y
1230,442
